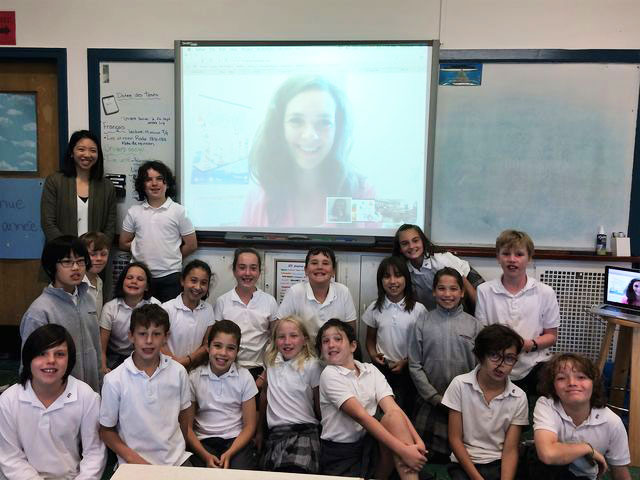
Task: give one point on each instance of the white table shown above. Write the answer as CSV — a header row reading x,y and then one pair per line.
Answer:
x,y
158,472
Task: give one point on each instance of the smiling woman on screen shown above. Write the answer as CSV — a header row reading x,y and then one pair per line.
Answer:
x,y
632,293
299,156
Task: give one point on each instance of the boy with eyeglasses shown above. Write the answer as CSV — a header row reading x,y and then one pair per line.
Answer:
x,y
65,301
486,410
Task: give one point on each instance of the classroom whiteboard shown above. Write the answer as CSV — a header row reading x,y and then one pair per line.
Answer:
x,y
136,119
539,146
543,147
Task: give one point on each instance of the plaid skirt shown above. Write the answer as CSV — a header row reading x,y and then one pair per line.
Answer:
x,y
404,390
292,447
356,459
432,424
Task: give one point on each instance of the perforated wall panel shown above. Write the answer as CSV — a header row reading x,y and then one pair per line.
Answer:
x,y
577,291
120,260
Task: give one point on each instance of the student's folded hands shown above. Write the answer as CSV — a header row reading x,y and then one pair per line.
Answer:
x,y
414,457
213,461
399,366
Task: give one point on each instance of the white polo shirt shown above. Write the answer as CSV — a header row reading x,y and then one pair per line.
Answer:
x,y
253,319
339,384
145,409
395,325
187,326
60,441
299,300
290,391
96,293
220,400
158,235
528,312
484,426
422,278
116,317
603,429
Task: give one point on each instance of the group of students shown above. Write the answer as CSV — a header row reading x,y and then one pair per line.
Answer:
x,y
187,383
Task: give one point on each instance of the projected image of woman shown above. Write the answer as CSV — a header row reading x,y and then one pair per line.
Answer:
x,y
299,156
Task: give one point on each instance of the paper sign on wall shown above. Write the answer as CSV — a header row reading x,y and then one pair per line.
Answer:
x,y
288,273
7,28
20,234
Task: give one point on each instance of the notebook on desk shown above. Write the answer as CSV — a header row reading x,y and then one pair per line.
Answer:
x,y
619,294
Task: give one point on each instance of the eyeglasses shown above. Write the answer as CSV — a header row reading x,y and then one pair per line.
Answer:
x,y
506,359
67,263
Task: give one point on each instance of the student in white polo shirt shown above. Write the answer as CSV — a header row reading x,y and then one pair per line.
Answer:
x,y
486,410
222,416
575,434
350,393
131,290
249,307
318,299
191,316
97,244
49,421
290,401
391,320
158,232
528,306
143,415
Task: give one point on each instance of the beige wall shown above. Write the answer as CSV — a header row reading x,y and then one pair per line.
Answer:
x,y
572,24
80,24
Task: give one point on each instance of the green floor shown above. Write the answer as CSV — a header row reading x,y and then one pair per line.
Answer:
x,y
439,472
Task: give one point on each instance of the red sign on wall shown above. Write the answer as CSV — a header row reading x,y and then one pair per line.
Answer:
x,y
7,28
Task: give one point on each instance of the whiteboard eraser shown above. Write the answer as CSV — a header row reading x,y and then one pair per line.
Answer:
x,y
621,246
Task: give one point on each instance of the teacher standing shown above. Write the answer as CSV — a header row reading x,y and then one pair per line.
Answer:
x,y
79,199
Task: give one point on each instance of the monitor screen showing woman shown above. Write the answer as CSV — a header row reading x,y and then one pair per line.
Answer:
x,y
304,138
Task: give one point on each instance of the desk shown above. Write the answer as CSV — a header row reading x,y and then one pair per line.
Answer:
x,y
626,365
158,472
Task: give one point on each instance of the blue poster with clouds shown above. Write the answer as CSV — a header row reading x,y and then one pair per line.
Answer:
x,y
20,234
18,132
